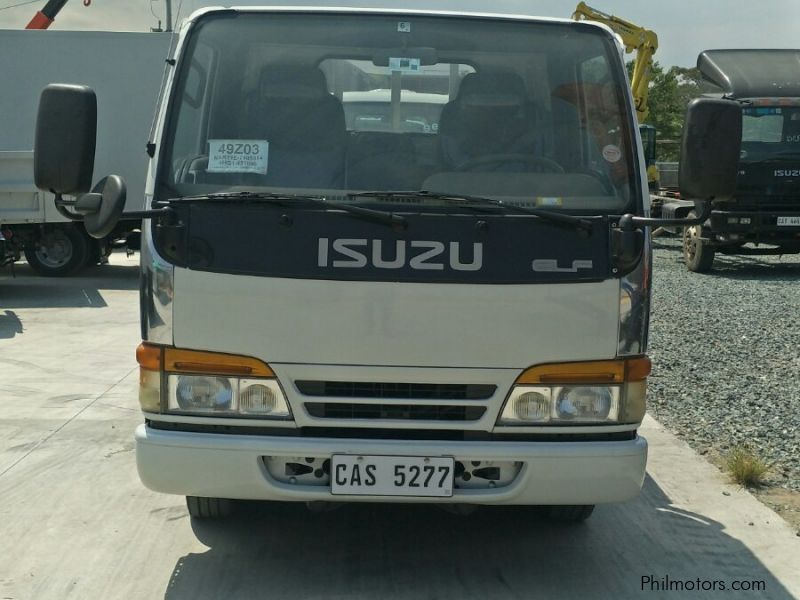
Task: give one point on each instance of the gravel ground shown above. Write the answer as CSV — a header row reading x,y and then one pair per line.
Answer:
x,y
726,355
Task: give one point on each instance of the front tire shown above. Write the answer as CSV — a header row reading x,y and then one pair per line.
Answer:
x,y
208,508
697,254
60,251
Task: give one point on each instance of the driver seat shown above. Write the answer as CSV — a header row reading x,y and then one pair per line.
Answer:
x,y
490,115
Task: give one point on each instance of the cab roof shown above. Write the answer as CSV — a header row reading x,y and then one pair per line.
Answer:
x,y
411,12
752,73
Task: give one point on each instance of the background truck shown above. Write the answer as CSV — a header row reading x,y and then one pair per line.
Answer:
x,y
763,217
126,70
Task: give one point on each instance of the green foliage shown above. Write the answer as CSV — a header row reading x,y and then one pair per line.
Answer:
x,y
670,92
745,468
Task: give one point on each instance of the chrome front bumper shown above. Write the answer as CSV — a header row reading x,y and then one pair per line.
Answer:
x,y
234,466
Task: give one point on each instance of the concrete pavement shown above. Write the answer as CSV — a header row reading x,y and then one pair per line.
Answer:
x,y
76,522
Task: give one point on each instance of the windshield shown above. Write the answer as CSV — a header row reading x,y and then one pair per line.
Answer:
x,y
770,130
532,113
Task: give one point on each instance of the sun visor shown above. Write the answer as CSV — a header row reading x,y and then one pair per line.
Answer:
x,y
752,73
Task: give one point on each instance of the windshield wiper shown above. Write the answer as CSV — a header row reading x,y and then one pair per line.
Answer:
x,y
480,201
368,214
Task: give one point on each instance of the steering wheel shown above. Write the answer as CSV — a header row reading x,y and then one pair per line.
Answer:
x,y
497,159
608,187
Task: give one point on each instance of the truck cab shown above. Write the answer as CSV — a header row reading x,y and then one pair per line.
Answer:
x,y
763,216
393,256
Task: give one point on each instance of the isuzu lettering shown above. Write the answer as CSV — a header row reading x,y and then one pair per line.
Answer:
x,y
391,256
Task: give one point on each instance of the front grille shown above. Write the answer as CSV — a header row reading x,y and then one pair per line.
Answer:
x,y
359,433
401,390
413,412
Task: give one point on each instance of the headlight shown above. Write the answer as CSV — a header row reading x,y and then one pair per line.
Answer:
x,y
256,398
531,405
587,404
226,396
199,382
579,393
201,393
537,405
262,397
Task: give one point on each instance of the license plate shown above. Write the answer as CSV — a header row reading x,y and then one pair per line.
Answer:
x,y
355,475
788,221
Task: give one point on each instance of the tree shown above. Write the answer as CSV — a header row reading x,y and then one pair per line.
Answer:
x,y
670,92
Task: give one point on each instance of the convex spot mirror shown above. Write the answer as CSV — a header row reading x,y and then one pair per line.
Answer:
x,y
102,208
710,146
66,133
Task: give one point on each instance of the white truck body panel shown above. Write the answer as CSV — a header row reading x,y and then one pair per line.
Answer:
x,y
387,323
20,201
124,69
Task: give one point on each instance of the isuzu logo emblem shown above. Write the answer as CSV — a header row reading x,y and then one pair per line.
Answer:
x,y
420,255
550,265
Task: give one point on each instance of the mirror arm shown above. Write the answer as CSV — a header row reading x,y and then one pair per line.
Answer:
x,y
165,213
61,207
630,222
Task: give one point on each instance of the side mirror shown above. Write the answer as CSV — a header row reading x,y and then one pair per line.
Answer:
x,y
102,209
66,133
710,148
712,139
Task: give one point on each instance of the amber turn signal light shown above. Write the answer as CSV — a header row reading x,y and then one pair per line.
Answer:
x,y
597,371
149,356
176,360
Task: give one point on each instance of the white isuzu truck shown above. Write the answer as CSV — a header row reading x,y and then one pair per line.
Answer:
x,y
391,255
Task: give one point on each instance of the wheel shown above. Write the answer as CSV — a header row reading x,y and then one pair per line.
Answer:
x,y
61,250
208,508
480,163
697,254
571,514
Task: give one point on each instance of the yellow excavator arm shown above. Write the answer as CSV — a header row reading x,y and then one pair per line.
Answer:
x,y
643,41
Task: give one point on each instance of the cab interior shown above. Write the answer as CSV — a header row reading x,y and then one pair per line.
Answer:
x,y
456,118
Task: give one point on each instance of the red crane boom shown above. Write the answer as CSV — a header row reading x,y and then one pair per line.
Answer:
x,y
45,17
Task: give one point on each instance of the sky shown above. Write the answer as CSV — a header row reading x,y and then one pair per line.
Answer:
x,y
684,27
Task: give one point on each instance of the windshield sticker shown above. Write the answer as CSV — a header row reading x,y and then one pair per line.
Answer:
x,y
549,201
405,65
612,153
238,156
404,27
